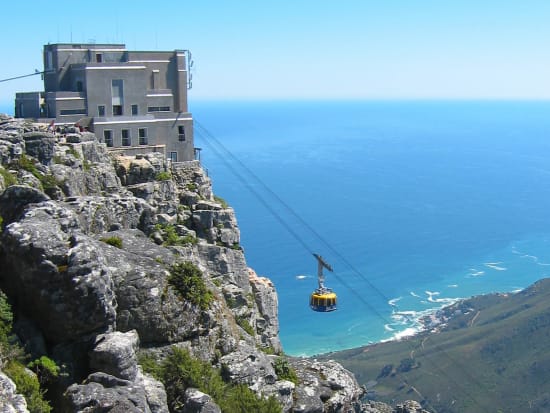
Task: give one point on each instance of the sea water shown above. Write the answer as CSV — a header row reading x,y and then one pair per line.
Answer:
x,y
414,204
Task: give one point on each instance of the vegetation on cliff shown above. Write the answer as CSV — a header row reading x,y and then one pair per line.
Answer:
x,y
180,371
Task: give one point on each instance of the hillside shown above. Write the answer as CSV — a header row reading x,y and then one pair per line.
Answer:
x,y
490,354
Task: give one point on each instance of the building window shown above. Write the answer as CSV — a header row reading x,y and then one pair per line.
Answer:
x,y
117,96
126,138
134,110
142,132
173,156
108,137
117,110
98,57
181,133
158,109
72,112
101,110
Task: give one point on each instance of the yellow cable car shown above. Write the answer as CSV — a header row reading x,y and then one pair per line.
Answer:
x,y
323,299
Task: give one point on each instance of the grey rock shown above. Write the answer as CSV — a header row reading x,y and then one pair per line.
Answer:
x,y
101,392
40,146
155,394
115,354
249,366
15,198
325,386
10,400
267,323
199,402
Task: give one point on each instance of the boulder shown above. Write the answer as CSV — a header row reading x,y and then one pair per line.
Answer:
x,y
40,145
115,354
199,402
10,400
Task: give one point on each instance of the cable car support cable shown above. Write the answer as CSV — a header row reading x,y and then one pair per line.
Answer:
x,y
206,135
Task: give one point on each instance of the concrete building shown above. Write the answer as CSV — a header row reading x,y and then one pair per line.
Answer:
x,y
134,101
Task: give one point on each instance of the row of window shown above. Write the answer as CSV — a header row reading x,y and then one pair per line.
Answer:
x,y
117,110
126,137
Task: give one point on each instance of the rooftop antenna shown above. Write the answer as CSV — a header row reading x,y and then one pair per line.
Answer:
x,y
190,64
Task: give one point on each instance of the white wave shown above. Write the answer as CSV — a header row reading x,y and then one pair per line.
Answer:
x,y
495,266
302,277
453,286
414,294
408,332
388,328
475,273
393,301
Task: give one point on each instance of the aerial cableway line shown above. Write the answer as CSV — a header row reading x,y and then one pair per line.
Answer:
x,y
224,154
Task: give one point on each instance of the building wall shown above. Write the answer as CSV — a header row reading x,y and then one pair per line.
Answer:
x,y
79,78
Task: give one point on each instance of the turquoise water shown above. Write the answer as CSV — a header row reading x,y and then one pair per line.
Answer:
x,y
415,204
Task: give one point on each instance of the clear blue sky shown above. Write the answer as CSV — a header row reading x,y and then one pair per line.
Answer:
x,y
286,49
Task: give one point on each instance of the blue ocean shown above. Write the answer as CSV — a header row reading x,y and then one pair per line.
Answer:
x,y
414,204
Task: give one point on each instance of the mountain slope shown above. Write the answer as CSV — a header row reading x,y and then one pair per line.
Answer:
x,y
491,354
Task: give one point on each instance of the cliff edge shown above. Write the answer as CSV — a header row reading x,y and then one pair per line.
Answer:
x,y
114,266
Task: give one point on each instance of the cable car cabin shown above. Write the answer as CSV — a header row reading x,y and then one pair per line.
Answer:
x,y
323,301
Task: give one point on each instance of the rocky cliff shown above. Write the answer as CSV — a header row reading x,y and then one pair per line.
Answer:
x,y
107,260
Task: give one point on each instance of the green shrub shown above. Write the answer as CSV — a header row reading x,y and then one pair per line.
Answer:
x,y
6,318
221,201
163,176
9,179
246,326
74,152
48,181
114,241
186,278
10,355
284,370
171,237
180,371
45,368
28,385
28,164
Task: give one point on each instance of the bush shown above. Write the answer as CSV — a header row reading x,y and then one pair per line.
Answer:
x,y
186,278
221,201
114,241
171,237
246,326
9,179
180,371
45,368
28,385
163,176
284,370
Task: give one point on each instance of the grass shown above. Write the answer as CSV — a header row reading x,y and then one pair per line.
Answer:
x,y
493,356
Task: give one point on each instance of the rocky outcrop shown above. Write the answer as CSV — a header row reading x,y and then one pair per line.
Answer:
x,y
10,401
87,252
